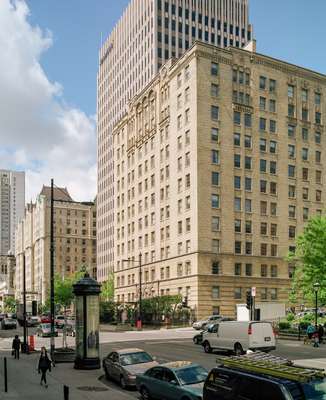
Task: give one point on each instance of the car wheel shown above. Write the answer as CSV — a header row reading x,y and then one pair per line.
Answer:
x,y
238,350
123,383
207,347
144,393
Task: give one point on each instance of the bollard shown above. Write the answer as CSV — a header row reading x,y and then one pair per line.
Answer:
x,y
66,392
5,374
31,343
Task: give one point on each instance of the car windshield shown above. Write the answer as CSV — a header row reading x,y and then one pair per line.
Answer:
x,y
315,390
9,320
191,375
135,358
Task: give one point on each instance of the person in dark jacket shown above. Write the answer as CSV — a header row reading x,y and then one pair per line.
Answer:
x,y
44,365
320,333
16,347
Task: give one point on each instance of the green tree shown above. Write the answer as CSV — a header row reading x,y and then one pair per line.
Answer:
x,y
107,289
310,261
9,304
63,295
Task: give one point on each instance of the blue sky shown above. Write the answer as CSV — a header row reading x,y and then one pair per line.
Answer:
x,y
293,30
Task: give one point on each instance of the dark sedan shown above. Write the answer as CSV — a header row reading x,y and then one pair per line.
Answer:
x,y
124,365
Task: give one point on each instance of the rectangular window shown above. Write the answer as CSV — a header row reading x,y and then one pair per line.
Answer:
x,y
263,208
273,230
215,224
291,192
214,134
248,269
237,161
237,203
262,145
305,114
237,247
262,103
215,200
304,154
290,91
237,182
272,85
263,186
262,82
236,139
248,227
272,105
215,178
237,226
263,228
263,270
317,137
247,142
247,120
248,184
237,117
292,232
248,163
317,99
263,249
304,95
305,134
305,193
291,110
305,214
273,294
248,208
305,174
237,269
291,131
291,211
214,69
272,126
215,156
215,292
248,246
214,113
291,171
237,293
318,157
262,124
214,90
215,267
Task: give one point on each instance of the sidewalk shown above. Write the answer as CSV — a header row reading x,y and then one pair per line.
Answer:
x,y
24,382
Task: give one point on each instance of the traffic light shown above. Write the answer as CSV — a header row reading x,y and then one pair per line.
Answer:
x,y
249,300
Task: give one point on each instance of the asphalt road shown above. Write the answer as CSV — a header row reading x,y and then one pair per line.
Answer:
x,y
173,350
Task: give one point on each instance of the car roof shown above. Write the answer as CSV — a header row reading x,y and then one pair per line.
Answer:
x,y
248,374
178,364
130,350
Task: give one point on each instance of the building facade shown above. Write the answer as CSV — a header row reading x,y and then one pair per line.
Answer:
x,y
7,278
149,33
74,235
219,162
12,204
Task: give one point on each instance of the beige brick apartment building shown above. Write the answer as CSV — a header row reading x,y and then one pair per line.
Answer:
x,y
75,241
218,163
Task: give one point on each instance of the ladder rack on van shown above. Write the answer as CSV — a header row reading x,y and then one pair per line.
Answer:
x,y
271,368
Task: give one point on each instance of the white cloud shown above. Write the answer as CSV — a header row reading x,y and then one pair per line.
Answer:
x,y
38,131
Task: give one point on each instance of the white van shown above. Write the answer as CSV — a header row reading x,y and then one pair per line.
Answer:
x,y
239,336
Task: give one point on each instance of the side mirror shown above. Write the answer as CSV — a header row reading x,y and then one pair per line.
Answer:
x,y
154,358
174,382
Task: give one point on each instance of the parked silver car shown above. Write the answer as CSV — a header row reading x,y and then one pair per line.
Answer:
x,y
202,323
124,365
8,323
44,330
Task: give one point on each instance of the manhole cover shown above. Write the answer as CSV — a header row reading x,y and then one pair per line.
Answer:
x,y
92,389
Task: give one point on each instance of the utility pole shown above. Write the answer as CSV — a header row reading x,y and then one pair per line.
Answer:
x,y
52,270
24,304
140,292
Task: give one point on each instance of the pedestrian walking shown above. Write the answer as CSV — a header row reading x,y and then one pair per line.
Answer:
x,y
310,331
16,347
44,365
320,333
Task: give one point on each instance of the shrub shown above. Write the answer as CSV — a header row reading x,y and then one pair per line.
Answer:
x,y
290,317
284,325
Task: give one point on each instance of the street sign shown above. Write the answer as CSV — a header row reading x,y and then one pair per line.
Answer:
x,y
253,291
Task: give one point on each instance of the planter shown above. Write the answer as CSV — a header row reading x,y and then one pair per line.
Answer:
x,y
64,355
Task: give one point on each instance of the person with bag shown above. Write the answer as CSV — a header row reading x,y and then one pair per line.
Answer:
x,y
16,347
44,365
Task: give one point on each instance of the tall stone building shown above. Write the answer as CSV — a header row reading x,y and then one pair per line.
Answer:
x,y
75,241
219,162
7,278
12,204
149,33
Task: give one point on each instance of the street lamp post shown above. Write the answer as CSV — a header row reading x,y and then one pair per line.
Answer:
x,y
52,271
316,288
140,310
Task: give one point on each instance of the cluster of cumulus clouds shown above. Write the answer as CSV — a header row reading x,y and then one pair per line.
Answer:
x,y
39,132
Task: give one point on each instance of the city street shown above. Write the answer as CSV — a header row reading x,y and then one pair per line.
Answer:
x,y
165,345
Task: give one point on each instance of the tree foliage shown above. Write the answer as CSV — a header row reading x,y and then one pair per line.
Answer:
x,y
107,289
160,305
63,289
9,304
310,261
